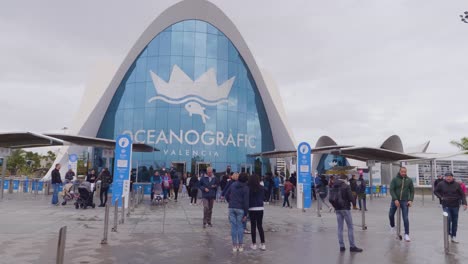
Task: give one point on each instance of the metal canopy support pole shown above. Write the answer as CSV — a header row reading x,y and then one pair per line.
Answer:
x,y
370,181
4,166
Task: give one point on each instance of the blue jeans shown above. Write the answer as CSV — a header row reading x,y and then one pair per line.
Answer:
x,y
404,212
165,193
341,216
237,226
55,187
452,220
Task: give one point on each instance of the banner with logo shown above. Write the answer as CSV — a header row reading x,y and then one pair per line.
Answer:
x,y
304,176
122,167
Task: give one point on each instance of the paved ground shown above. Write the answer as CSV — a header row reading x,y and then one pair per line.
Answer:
x,y
173,234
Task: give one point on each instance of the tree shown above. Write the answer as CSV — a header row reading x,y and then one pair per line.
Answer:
x,y
16,161
462,144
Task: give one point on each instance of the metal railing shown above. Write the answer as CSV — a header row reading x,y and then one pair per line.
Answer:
x,y
116,215
106,224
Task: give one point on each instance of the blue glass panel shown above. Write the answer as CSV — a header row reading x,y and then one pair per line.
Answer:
x,y
189,25
200,26
211,46
189,44
200,45
177,43
165,43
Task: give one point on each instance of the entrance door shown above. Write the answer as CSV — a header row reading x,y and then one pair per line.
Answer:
x,y
179,167
202,166
246,168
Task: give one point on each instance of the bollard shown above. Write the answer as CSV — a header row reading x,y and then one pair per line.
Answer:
x,y
61,245
129,204
106,224
303,202
399,223
363,214
319,201
422,189
445,227
10,186
116,215
132,195
122,220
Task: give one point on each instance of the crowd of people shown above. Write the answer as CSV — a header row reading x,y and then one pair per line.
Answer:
x,y
246,195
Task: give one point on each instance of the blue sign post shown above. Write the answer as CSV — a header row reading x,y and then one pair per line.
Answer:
x,y
304,175
122,166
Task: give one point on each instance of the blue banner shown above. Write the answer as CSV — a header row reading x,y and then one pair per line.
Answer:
x,y
304,175
122,166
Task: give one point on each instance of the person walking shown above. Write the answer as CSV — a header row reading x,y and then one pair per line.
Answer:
x,y
238,198
353,186
256,194
293,180
106,179
56,181
166,182
341,198
451,194
361,192
402,192
208,186
176,186
276,186
288,188
193,188
323,191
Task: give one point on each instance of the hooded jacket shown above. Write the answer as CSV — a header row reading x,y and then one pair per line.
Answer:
x,y
346,194
238,195
402,188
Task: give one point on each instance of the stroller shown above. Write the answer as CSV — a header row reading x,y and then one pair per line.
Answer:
x,y
157,194
86,196
68,193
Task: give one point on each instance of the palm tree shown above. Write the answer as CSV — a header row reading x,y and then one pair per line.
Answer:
x,y
462,144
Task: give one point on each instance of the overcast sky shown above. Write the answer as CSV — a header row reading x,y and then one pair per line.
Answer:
x,y
356,70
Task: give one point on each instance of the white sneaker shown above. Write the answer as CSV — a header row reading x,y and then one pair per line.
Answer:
x,y
241,249
454,240
262,247
234,249
253,247
407,238
392,230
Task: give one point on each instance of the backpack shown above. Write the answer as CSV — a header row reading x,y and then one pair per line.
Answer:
x,y
336,197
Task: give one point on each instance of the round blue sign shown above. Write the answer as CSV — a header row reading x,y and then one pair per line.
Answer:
x,y
73,158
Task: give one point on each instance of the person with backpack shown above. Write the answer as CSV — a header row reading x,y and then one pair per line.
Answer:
x,y
451,194
166,185
402,192
361,192
323,192
341,198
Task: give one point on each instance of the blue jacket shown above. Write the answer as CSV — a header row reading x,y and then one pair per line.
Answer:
x,y
238,195
176,182
276,180
229,183
156,179
209,183
256,198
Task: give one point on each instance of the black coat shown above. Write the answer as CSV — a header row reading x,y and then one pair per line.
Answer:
x,y
56,178
346,194
450,193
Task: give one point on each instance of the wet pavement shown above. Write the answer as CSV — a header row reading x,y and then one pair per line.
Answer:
x,y
29,228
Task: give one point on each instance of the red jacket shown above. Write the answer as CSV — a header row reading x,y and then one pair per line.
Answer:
x,y
288,186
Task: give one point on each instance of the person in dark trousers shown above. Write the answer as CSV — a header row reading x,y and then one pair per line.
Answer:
x,y
56,181
293,180
288,188
323,191
353,185
256,194
402,191
342,207
238,198
106,179
436,182
176,186
193,188
91,177
208,186
276,185
166,182
361,192
451,194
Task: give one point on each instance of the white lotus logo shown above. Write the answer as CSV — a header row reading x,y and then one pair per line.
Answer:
x,y
182,89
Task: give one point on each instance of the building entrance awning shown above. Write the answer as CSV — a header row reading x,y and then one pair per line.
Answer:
x,y
365,153
274,154
14,140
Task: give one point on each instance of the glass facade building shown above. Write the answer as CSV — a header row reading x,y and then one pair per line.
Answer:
x,y
189,94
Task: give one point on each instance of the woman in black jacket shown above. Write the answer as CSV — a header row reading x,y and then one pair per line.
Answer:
x,y
256,194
